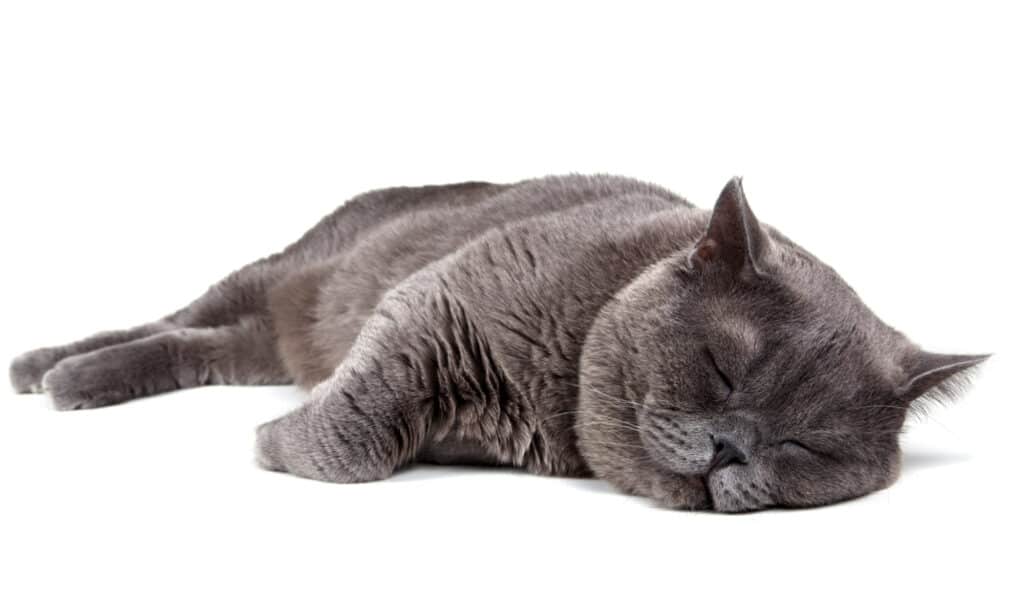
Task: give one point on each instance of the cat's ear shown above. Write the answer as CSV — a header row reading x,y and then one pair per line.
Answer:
x,y
941,375
734,237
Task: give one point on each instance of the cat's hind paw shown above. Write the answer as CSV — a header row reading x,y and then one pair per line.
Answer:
x,y
27,370
85,381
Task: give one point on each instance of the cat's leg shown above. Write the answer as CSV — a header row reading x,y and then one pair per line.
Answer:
x,y
357,427
28,369
241,294
417,362
244,293
242,353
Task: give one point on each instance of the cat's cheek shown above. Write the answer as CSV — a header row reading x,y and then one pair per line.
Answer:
x,y
678,446
679,492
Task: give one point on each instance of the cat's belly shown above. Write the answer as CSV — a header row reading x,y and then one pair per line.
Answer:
x,y
453,451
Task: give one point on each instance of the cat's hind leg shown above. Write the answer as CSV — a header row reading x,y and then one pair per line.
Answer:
x,y
28,369
241,353
241,294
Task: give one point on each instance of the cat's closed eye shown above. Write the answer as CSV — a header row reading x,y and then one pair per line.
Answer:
x,y
726,381
809,450
794,444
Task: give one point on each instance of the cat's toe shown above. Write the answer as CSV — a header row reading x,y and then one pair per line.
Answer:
x,y
27,370
266,456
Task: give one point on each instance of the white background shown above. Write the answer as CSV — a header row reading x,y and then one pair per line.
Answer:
x,y
147,149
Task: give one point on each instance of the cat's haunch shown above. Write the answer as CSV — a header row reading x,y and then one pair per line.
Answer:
x,y
574,326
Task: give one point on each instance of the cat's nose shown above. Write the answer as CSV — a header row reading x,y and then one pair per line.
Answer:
x,y
726,453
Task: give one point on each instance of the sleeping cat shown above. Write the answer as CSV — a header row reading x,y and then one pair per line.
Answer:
x,y
572,326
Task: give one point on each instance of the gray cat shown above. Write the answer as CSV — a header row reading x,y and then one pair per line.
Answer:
x,y
572,326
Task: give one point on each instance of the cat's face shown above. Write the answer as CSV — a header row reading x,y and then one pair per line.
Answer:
x,y
743,374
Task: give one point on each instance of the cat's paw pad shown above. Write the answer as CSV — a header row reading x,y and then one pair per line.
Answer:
x,y
84,382
27,370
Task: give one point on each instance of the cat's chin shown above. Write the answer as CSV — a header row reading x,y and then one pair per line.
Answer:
x,y
714,492
732,491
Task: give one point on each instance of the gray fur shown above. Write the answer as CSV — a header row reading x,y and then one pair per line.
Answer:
x,y
568,325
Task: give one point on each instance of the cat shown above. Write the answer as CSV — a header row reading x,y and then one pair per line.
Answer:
x,y
572,326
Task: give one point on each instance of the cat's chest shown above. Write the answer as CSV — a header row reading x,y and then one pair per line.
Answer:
x,y
508,388
519,357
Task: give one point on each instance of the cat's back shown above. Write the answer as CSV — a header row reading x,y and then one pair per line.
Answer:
x,y
442,226
454,216
322,304
539,281
559,214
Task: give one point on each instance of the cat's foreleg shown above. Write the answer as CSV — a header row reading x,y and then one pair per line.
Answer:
x,y
243,353
357,427
377,410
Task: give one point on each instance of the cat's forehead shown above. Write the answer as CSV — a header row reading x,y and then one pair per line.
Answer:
x,y
739,329
805,317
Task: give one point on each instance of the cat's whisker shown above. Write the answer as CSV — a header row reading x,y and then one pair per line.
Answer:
x,y
603,421
877,407
622,425
628,402
570,412
595,421
620,445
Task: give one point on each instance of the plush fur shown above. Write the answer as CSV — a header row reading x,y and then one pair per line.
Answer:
x,y
568,325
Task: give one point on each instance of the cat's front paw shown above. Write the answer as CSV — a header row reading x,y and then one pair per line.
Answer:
x,y
680,492
302,443
267,454
27,370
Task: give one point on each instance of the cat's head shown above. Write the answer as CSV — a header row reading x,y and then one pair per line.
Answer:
x,y
743,373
